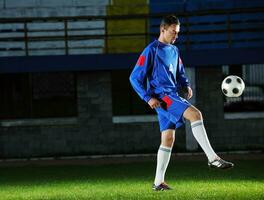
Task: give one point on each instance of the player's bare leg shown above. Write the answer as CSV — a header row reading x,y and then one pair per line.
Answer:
x,y
199,132
163,158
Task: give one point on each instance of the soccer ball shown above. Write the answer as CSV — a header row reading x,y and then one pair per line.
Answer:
x,y
232,86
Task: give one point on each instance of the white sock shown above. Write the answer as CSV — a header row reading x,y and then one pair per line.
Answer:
x,y
163,159
200,135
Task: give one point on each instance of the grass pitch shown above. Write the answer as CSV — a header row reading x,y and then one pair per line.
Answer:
x,y
190,180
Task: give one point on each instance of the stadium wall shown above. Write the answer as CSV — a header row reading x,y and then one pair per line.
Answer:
x,y
93,131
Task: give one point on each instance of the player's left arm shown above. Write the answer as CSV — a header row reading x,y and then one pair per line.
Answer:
x,y
183,80
188,92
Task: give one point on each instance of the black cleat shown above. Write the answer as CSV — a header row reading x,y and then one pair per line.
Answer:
x,y
161,187
220,164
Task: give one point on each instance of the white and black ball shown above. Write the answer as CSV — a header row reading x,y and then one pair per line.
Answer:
x,y
233,86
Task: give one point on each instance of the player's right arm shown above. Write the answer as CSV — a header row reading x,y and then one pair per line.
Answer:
x,y
139,75
154,103
183,80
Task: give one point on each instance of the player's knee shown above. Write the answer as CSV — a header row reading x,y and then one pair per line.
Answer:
x,y
168,141
197,115
192,114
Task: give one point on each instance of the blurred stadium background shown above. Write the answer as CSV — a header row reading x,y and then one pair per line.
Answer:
x,y
64,67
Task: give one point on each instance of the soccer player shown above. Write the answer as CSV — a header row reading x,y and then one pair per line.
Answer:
x,y
157,77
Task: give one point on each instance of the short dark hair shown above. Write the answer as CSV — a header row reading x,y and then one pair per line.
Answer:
x,y
169,20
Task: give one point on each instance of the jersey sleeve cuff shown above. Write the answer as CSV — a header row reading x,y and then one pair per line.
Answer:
x,y
147,98
187,84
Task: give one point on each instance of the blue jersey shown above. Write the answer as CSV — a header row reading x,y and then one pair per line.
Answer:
x,y
158,71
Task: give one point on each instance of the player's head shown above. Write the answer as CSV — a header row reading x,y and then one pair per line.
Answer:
x,y
169,29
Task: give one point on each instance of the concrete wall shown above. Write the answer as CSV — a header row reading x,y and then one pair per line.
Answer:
x,y
92,131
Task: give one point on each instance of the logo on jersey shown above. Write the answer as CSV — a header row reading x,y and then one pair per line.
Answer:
x,y
171,68
141,61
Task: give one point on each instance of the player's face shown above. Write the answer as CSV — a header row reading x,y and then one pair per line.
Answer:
x,y
171,33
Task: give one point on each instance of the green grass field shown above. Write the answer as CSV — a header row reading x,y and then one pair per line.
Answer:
x,y
190,180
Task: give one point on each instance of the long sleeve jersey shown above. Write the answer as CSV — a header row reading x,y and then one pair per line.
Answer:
x,y
158,71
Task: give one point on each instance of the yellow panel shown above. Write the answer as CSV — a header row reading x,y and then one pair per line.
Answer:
x,y
126,44
129,2
126,26
130,45
127,10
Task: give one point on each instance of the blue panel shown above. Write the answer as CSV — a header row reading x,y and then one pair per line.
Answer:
x,y
174,6
208,18
248,25
169,6
108,62
67,63
155,21
165,9
181,39
154,30
209,46
182,47
226,56
194,5
208,37
183,28
247,44
247,35
183,20
208,27
248,3
247,16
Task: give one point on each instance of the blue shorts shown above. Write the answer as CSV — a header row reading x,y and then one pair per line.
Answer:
x,y
171,115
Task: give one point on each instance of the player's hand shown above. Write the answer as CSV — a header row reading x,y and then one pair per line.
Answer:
x,y
154,103
188,92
